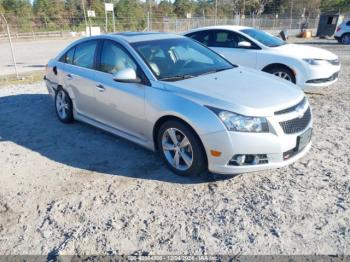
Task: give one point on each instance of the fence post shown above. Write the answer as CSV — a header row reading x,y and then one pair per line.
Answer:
x,y
148,22
10,41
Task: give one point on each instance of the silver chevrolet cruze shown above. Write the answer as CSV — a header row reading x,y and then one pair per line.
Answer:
x,y
171,94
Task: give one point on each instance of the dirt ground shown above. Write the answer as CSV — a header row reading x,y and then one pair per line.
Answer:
x,y
73,189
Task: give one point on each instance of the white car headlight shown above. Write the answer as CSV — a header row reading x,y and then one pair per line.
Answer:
x,y
240,123
312,61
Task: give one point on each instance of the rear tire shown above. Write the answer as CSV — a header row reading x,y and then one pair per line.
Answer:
x,y
63,106
282,72
181,149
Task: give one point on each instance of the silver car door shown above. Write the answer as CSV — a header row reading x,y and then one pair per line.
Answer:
x,y
79,77
119,105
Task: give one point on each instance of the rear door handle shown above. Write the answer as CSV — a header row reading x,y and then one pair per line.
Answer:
x,y
100,88
69,76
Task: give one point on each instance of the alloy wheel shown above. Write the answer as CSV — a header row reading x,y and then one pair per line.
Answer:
x,y
62,104
177,149
283,75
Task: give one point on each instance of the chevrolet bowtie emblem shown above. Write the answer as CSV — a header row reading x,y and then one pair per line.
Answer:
x,y
300,111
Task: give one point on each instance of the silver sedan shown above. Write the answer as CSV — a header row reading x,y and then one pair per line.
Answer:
x,y
173,95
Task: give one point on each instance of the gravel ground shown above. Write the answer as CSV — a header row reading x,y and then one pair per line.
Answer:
x,y
73,189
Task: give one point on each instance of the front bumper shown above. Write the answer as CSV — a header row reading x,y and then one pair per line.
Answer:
x,y
321,82
314,77
273,144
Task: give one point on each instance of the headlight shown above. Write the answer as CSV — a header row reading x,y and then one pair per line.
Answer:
x,y
240,123
312,61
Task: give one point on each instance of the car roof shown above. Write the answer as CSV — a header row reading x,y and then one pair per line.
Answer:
x,y
221,27
133,37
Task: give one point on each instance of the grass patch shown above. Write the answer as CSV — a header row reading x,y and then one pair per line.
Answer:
x,y
24,78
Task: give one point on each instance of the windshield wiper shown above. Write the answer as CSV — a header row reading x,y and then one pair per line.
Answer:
x,y
176,78
213,71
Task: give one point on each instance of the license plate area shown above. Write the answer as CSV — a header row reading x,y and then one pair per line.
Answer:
x,y
303,140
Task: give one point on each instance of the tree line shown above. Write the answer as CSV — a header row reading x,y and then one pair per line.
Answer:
x,y
34,15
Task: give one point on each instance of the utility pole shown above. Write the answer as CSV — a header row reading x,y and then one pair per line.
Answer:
x,y
10,41
150,15
113,20
216,11
83,6
291,14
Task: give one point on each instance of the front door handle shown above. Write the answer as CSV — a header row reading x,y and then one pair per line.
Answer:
x,y
100,88
69,76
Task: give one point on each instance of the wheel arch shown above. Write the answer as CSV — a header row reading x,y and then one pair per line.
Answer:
x,y
346,33
166,118
274,65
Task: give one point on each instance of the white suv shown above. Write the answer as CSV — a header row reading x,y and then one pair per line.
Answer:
x,y
342,33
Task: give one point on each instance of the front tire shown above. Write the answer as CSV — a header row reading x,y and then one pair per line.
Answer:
x,y
345,39
181,149
282,72
63,106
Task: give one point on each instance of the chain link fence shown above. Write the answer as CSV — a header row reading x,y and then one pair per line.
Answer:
x,y
35,28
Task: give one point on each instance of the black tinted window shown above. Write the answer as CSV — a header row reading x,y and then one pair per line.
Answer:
x,y
84,54
114,58
202,37
68,56
222,38
348,23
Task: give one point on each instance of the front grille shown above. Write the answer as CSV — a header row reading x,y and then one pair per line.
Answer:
x,y
291,109
297,124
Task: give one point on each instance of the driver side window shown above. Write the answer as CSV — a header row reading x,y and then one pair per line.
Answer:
x,y
227,39
114,58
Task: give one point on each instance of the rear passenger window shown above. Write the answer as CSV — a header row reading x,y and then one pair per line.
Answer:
x,y
84,54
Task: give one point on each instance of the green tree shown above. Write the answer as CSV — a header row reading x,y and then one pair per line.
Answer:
x,y
165,8
182,7
73,13
50,14
18,13
130,15
205,8
335,5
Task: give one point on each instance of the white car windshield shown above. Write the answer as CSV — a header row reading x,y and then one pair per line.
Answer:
x,y
263,37
179,58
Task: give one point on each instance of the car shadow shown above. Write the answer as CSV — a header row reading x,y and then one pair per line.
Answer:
x,y
29,120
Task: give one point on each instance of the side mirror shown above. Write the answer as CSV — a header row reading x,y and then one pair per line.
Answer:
x,y
127,75
244,44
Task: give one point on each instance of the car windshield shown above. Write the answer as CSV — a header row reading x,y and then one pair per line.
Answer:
x,y
264,38
179,58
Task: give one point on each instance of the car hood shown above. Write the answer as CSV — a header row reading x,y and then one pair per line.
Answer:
x,y
304,51
241,90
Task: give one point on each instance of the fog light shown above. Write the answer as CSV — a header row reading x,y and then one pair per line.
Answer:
x,y
241,160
